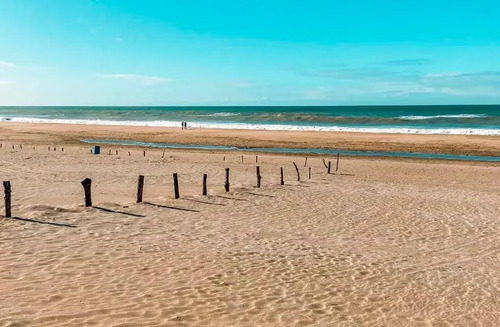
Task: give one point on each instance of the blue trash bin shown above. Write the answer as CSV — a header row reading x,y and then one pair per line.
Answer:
x,y
97,149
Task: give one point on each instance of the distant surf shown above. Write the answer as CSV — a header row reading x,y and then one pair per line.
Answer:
x,y
466,120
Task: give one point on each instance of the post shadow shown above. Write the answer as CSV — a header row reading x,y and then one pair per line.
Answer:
x,y
42,222
120,212
170,207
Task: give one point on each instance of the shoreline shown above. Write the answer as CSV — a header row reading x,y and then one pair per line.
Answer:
x,y
263,126
424,143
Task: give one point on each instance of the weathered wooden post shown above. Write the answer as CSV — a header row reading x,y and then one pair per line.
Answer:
x,y
337,167
309,172
329,166
282,180
87,183
298,173
256,159
140,187
144,152
227,180
241,158
163,154
305,162
176,186
7,192
258,177
204,191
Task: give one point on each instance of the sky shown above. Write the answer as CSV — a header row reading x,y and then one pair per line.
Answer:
x,y
273,52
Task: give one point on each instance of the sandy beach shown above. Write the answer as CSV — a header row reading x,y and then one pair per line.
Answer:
x,y
377,243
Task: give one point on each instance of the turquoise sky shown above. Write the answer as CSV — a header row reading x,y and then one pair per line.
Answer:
x,y
124,52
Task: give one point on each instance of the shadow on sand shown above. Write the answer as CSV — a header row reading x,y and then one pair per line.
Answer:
x,y
120,212
43,222
169,207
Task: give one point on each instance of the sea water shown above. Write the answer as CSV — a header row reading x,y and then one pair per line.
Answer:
x,y
451,119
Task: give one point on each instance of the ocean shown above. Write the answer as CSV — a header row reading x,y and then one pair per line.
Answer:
x,y
451,119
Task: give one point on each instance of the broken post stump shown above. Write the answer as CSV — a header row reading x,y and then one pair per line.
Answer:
x,y
87,183
7,192
298,173
204,191
227,180
258,177
140,188
176,186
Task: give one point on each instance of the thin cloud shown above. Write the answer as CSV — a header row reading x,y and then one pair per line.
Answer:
x,y
143,79
408,62
360,74
7,64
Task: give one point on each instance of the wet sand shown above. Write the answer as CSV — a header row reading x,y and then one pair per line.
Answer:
x,y
62,133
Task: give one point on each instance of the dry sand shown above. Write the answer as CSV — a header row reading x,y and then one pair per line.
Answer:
x,y
381,242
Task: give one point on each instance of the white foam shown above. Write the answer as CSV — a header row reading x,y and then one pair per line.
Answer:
x,y
442,116
275,127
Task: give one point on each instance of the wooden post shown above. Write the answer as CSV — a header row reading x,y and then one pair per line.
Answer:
x,y
7,192
258,177
140,187
256,159
116,152
176,186
204,192
227,180
298,173
87,183
305,162
109,151
309,172
129,153
163,154
329,166
144,152
282,178
337,167
241,158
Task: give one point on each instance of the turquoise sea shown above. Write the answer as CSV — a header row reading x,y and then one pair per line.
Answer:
x,y
452,119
